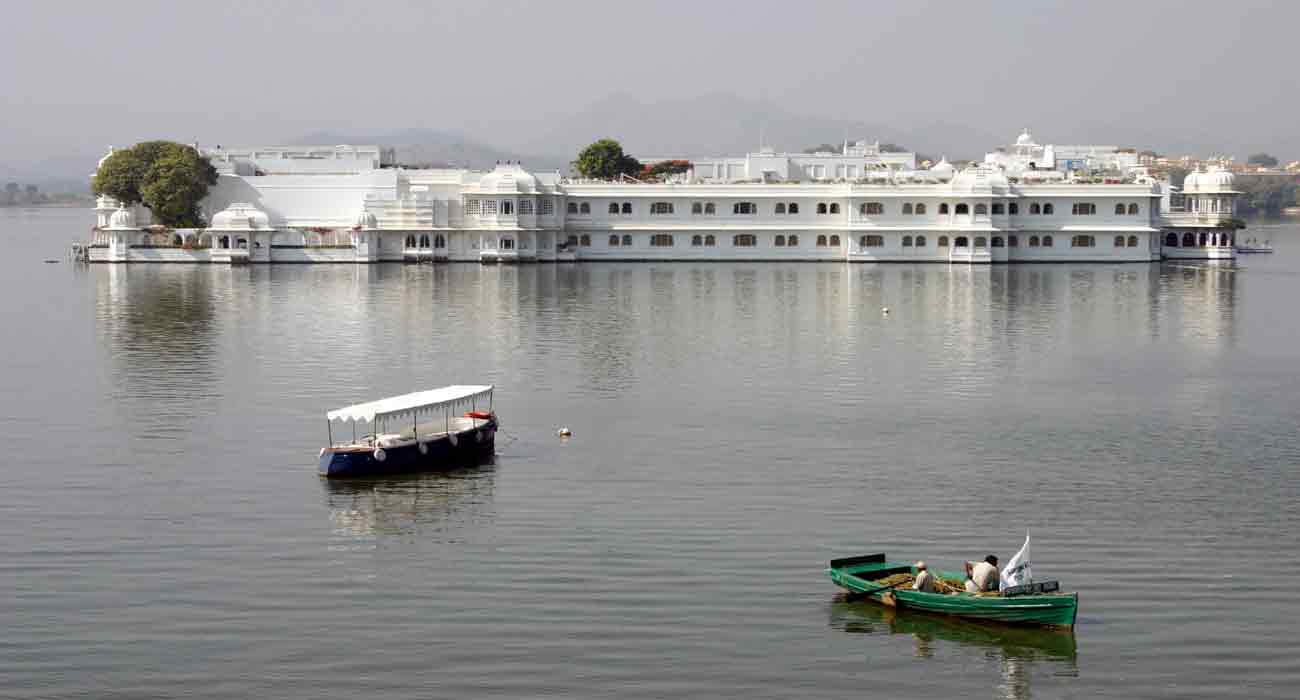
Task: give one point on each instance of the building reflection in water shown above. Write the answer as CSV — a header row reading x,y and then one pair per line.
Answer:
x,y
1013,653
440,506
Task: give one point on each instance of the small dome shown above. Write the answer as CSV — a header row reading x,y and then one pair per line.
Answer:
x,y
1025,139
367,220
1217,180
240,216
509,177
943,169
1192,183
122,218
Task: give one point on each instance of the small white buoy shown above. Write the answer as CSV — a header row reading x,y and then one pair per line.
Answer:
x,y
885,310
564,432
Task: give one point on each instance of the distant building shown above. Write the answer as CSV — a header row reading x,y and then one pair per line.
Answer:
x,y
853,162
1026,155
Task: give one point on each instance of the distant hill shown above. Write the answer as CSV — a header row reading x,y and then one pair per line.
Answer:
x,y
431,147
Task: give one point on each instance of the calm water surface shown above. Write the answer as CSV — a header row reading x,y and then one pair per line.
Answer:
x,y
163,532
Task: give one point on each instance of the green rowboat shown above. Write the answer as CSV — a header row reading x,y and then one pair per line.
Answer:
x,y
860,575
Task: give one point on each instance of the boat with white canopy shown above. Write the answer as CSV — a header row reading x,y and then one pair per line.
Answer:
x,y
422,431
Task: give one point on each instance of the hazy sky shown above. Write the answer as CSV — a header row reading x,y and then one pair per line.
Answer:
x,y
78,76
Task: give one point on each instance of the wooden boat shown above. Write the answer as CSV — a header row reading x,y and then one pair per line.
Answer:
x,y
1036,604
413,432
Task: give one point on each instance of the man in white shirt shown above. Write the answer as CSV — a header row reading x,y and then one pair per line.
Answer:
x,y
983,575
924,579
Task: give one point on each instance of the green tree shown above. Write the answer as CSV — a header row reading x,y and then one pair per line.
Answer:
x,y
11,193
664,168
169,178
1262,160
605,160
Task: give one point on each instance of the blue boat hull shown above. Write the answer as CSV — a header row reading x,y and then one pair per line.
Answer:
x,y
471,447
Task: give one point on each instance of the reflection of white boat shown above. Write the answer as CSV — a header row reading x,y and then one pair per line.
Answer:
x,y
1253,246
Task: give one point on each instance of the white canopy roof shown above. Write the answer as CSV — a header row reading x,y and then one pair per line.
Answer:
x,y
420,402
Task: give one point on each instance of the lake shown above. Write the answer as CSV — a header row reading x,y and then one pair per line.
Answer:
x,y
163,532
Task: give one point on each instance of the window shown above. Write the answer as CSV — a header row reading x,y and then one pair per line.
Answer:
x,y
525,206
697,208
1189,240
943,241
710,240
1119,209
997,242
571,241
1013,209
920,209
821,241
779,241
424,241
1048,209
627,239
710,209
981,209
1081,209
1035,209
1171,241
1132,241
1047,240
874,241
794,208
780,208
744,208
472,207
1133,209
821,207
586,240
1202,240
744,240
920,241
1013,242
963,209
907,207
981,242
613,208
661,208
943,209
490,207
440,241
835,241
507,207
548,207
697,240
793,240
961,242
1033,241
572,208
584,208
1119,240
835,207
1083,242
613,239
507,244
627,207
410,241
998,208
661,240
907,241
872,209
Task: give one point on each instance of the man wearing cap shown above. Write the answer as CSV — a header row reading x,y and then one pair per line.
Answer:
x,y
924,579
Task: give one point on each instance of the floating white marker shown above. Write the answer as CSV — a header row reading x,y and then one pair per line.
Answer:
x,y
564,432
885,310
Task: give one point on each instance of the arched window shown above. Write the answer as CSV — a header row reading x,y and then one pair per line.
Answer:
x,y
1189,240
225,241
835,241
507,244
697,208
835,207
1048,209
780,208
661,240
997,242
613,208
613,239
1013,242
585,208
907,241
875,209
410,241
572,208
1119,240
874,241
440,241
710,240
1047,241
920,241
744,208
981,242
998,208
176,240
1202,239
507,207
1033,241
780,241
1013,209
907,207
627,207
920,208
981,209
697,240
793,241
710,209
572,242
793,208
943,209
1132,241
1084,209
821,241
821,207
963,208
627,240
1083,242
1119,209
943,241
1133,209
242,244
661,208
1035,209
424,241
962,242
744,240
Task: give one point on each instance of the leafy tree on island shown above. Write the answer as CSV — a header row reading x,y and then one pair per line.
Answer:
x,y
662,169
605,160
169,178
1262,160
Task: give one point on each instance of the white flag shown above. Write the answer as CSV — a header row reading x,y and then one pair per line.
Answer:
x,y
1017,572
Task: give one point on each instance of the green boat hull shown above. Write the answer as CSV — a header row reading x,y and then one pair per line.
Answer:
x,y
859,576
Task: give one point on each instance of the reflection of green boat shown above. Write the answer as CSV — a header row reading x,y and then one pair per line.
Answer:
x,y
861,575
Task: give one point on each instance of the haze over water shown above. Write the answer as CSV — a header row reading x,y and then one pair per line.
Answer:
x,y
163,532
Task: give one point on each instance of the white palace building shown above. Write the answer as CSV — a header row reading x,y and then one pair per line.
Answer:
x,y
353,204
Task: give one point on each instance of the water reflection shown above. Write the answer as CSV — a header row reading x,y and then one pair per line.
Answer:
x,y
437,505
1015,651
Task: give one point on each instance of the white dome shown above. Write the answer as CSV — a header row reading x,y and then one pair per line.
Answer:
x,y
508,178
943,169
1192,183
1217,180
367,220
1024,139
122,218
240,216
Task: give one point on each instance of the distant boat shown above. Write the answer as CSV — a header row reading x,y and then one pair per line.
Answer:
x,y
1253,246
1035,604
423,431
